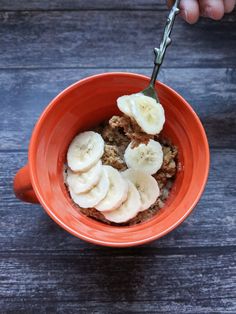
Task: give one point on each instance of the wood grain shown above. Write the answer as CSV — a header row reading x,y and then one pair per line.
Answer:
x,y
191,305
46,46
110,39
25,227
25,93
128,280
17,5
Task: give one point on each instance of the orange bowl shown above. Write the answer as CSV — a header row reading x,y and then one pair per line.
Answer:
x,y
84,105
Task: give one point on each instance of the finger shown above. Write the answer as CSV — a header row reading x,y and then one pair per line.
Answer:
x,y
212,8
229,5
189,10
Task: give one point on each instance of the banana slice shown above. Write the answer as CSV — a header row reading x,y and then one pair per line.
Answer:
x,y
81,182
148,114
85,150
117,193
145,184
148,158
128,209
124,104
92,197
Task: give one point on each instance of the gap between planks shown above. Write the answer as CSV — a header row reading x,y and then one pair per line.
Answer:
x,y
49,300
139,251
164,67
160,9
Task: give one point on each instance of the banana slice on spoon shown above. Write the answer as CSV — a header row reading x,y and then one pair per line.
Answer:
x,y
146,185
148,113
124,104
148,158
85,150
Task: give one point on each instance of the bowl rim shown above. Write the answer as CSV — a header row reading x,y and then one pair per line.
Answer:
x,y
92,239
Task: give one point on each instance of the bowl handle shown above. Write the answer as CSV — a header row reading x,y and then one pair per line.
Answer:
x,y
23,187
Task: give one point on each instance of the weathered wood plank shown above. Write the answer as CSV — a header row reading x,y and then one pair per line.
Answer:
x,y
110,39
183,282
82,5
43,269
25,93
25,227
191,305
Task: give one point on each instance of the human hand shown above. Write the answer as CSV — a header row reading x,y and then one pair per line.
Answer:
x,y
190,10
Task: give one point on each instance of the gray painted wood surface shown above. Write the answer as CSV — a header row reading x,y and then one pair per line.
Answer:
x,y
44,47
99,39
215,213
82,5
25,94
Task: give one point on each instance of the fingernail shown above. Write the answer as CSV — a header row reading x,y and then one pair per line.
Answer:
x,y
184,14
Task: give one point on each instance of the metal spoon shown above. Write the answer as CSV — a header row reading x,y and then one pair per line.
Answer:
x,y
160,52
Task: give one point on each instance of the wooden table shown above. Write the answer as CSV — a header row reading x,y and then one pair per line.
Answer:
x,y
44,47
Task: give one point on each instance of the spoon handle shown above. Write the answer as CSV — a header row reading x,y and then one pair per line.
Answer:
x,y
166,41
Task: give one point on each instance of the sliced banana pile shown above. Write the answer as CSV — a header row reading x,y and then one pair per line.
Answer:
x,y
148,113
119,196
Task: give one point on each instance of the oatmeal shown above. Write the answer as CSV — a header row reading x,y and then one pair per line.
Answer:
x,y
130,128
122,172
114,156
